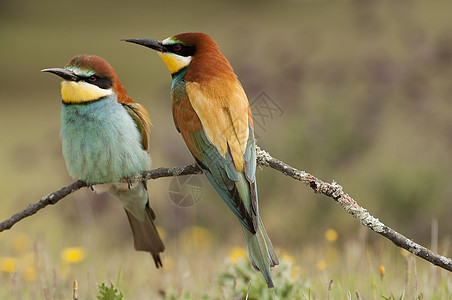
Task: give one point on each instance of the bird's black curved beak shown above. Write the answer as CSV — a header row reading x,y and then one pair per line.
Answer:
x,y
153,44
63,73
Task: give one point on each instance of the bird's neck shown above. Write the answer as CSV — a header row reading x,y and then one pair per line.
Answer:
x,y
209,64
179,75
98,109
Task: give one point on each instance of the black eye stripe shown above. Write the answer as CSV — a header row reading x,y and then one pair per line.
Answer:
x,y
180,49
103,83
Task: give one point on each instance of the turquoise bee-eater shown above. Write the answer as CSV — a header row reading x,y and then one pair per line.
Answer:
x,y
212,113
105,139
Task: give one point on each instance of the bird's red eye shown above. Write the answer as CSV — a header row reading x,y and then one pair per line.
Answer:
x,y
177,47
92,78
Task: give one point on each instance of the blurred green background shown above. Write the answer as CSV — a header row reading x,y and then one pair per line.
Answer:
x,y
364,91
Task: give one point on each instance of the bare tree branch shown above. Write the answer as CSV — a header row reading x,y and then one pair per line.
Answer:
x,y
332,190
46,200
54,197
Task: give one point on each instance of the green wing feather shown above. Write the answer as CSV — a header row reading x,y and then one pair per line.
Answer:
x,y
232,186
141,118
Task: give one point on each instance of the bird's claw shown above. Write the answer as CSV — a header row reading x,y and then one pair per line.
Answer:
x,y
90,186
129,183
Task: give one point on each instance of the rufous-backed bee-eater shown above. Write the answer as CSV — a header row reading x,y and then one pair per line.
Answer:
x,y
105,139
212,113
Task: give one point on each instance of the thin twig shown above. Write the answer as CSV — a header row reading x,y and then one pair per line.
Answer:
x,y
46,200
332,190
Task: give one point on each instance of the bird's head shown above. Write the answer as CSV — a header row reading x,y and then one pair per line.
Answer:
x,y
196,51
88,78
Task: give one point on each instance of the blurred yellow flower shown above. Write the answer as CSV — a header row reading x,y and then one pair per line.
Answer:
x,y
320,265
29,274
21,243
8,264
331,235
196,238
382,270
73,255
237,254
288,258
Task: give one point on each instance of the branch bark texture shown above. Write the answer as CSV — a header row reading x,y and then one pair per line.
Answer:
x,y
332,190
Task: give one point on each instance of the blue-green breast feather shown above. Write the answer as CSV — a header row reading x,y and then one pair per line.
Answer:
x,y
101,142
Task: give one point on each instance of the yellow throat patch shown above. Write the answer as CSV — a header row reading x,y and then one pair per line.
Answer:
x,y
80,91
175,62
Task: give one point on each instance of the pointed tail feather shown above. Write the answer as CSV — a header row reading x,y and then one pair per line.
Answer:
x,y
146,236
141,218
261,252
271,251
